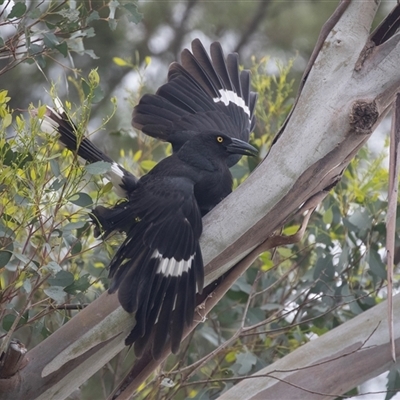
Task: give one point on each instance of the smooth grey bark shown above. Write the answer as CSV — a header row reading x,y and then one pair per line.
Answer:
x,y
348,91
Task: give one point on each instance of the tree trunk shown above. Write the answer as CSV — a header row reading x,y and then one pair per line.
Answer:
x,y
348,89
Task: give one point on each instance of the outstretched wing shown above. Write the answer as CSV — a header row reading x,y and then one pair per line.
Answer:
x,y
158,269
202,93
56,120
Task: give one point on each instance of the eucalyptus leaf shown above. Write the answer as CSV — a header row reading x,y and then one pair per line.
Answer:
x,y
62,279
81,199
247,361
56,293
8,320
17,11
80,285
98,168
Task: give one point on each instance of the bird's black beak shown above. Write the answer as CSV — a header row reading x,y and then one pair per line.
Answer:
x,y
240,147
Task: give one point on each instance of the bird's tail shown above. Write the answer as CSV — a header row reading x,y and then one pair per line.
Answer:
x,y
164,303
57,120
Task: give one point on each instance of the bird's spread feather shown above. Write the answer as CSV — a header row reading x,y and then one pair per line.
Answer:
x,y
202,93
206,110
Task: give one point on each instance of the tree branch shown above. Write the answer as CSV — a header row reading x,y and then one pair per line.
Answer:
x,y
338,109
253,24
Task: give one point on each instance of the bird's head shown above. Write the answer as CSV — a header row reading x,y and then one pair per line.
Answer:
x,y
224,145
208,149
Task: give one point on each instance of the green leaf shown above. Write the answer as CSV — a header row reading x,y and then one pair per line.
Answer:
x,y
50,40
94,16
57,184
132,13
247,361
328,216
291,230
284,252
241,285
98,168
147,165
73,225
91,54
76,247
27,285
35,13
17,11
393,383
8,320
377,267
55,168
7,120
120,62
56,293
360,219
34,49
81,199
80,285
11,266
106,188
96,94
63,48
324,269
5,257
6,249
62,279
52,267
21,257
3,96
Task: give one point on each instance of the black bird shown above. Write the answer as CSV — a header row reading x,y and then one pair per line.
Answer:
x,y
206,111
202,93
159,268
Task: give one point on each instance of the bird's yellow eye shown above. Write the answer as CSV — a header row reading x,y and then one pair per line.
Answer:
x,y
220,139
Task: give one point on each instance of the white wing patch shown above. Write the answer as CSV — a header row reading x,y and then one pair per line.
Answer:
x,y
170,266
228,96
115,176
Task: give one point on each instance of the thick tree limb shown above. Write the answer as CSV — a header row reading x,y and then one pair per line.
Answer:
x,y
341,103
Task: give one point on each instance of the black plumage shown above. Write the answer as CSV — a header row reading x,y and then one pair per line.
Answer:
x,y
202,93
158,268
206,111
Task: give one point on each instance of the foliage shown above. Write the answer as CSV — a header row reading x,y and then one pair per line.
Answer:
x,y
51,266
44,30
